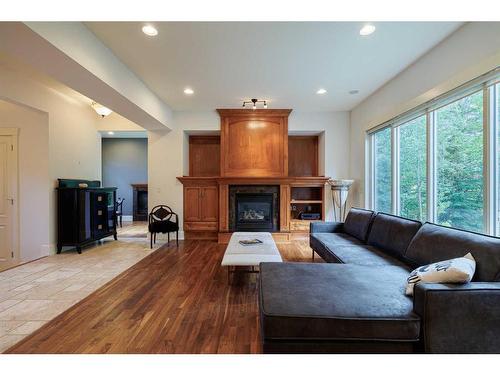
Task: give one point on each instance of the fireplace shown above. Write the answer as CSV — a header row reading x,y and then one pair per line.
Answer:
x,y
140,202
254,208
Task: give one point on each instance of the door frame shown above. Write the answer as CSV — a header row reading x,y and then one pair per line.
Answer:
x,y
14,189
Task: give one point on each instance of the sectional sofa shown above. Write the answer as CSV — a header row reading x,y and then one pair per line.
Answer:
x,y
356,302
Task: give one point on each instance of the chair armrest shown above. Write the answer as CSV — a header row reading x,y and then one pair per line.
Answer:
x,y
459,318
326,227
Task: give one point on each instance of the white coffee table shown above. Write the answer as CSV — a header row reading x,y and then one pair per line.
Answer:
x,y
238,255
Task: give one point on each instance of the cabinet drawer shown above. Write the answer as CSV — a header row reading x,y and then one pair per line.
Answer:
x,y
207,226
300,225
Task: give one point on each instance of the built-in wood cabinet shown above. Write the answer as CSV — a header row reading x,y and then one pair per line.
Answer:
x,y
204,155
303,156
254,148
201,208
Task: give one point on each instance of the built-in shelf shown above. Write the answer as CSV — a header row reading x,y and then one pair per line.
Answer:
x,y
298,201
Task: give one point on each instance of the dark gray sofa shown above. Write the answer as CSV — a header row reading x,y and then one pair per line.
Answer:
x,y
356,301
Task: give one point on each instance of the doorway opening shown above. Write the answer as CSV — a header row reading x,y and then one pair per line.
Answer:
x,y
125,166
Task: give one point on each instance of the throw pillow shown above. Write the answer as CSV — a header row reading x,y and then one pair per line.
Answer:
x,y
458,270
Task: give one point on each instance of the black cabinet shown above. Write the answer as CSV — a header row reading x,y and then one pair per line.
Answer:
x,y
84,214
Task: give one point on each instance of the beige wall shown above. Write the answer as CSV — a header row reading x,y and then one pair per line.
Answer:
x,y
73,143
471,51
33,181
115,122
167,151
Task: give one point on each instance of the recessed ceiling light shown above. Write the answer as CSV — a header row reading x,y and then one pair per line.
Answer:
x,y
353,92
321,92
367,30
111,133
149,30
188,91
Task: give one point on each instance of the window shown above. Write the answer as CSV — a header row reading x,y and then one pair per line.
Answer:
x,y
496,123
382,170
459,128
413,169
440,162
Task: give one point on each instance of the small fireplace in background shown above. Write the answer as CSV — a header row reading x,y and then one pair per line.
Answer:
x,y
254,208
140,203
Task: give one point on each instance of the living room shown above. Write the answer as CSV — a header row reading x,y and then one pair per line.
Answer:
x,y
292,186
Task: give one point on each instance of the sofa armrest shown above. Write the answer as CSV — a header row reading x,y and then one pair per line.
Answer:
x,y
459,318
326,227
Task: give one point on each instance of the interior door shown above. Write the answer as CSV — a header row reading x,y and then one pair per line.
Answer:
x,y
8,186
209,203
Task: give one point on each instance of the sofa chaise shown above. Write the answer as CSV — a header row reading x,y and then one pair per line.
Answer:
x,y
356,302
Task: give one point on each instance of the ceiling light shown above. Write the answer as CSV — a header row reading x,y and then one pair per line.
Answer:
x,y
149,30
367,30
188,91
100,109
111,133
321,92
353,92
254,103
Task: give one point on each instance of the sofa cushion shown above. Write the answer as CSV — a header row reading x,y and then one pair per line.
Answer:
x,y
325,243
392,234
357,223
434,243
335,301
365,255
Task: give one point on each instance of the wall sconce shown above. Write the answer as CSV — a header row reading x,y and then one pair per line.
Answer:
x,y
254,103
100,109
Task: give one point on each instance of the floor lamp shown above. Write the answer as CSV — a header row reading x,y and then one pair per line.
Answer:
x,y
340,191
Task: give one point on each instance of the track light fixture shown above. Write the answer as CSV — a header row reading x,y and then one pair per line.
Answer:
x,y
254,103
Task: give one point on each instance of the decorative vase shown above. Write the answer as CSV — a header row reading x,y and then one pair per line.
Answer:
x,y
340,191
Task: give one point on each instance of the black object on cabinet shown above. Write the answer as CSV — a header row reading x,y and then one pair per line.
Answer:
x,y
85,214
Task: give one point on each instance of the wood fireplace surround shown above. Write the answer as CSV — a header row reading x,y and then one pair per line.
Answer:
x,y
252,150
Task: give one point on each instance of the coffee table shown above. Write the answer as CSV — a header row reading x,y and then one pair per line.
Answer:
x,y
238,255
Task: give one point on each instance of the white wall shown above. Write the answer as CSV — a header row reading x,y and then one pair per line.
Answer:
x,y
33,181
469,52
167,151
74,145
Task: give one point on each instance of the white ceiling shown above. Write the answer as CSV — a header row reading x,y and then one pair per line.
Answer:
x,y
283,62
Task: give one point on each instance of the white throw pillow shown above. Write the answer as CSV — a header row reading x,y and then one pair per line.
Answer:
x,y
458,270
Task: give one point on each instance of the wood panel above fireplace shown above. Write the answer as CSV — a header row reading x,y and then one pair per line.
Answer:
x,y
254,143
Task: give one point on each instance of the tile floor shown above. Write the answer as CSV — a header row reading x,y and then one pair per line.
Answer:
x,y
36,292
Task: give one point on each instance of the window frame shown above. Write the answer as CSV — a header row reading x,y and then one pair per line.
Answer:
x,y
491,137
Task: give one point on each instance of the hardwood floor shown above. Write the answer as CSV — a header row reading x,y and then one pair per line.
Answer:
x,y
173,301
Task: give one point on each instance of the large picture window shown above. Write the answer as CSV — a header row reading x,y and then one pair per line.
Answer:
x,y
440,162
459,128
413,169
382,166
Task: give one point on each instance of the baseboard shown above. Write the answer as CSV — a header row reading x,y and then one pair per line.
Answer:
x,y
46,250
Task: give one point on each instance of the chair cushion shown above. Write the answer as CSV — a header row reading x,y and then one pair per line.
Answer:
x,y
365,255
392,234
335,301
434,243
357,223
325,243
163,226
